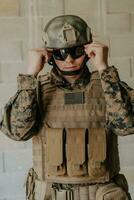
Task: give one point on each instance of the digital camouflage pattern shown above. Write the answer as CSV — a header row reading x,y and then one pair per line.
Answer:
x,y
21,113
22,120
25,110
120,103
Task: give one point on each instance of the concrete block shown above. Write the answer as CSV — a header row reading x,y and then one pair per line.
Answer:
x,y
18,160
1,113
1,162
81,6
7,90
132,67
28,144
87,9
126,155
102,39
118,23
7,144
9,7
122,45
23,6
10,71
132,22
92,21
10,50
0,73
129,173
131,190
35,31
51,8
24,52
14,28
120,6
130,83
16,197
12,185
2,104
124,67
126,140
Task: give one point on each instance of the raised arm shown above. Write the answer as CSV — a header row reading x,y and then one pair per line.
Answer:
x,y
119,97
20,119
21,113
119,102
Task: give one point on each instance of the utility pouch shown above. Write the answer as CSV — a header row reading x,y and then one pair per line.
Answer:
x,y
111,192
76,152
54,152
97,152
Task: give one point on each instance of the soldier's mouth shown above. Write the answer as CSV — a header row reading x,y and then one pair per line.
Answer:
x,y
71,67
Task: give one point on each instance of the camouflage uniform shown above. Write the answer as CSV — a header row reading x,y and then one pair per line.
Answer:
x,y
23,117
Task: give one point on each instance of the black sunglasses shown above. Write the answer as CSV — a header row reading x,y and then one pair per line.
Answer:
x,y
75,52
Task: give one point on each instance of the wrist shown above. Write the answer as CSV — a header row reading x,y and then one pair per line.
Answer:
x,y
102,67
26,81
31,72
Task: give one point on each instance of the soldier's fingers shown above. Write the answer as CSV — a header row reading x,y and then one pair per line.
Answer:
x,y
95,44
91,52
47,55
94,49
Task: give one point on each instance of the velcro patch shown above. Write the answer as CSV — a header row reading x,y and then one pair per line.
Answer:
x,y
74,98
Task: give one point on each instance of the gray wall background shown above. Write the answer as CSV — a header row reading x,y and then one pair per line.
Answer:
x,y
112,23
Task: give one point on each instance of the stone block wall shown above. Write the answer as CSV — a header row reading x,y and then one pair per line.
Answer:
x,y
21,21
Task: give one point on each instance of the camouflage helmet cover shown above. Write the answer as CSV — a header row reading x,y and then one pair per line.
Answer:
x,y
66,31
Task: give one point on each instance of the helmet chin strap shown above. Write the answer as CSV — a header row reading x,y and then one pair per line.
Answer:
x,y
72,72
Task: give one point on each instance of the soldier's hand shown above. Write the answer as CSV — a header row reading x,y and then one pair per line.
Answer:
x,y
98,54
36,60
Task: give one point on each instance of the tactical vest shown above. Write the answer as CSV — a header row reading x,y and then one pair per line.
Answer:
x,y
73,145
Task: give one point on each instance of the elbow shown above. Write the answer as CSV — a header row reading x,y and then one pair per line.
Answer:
x,y
19,137
22,134
14,136
10,135
124,132
122,128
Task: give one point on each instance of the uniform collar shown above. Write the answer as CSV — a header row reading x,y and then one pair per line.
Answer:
x,y
60,81
95,75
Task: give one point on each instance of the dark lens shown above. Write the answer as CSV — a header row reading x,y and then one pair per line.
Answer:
x,y
77,52
57,55
60,54
64,53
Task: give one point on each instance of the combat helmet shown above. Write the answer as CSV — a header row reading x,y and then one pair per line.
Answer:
x,y
66,31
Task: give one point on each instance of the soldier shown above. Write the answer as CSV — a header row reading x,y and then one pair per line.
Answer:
x,y
73,116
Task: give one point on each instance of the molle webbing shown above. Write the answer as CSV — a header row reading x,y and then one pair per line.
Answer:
x,y
96,158
71,158
85,109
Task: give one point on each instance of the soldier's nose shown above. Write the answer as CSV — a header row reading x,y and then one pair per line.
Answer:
x,y
69,59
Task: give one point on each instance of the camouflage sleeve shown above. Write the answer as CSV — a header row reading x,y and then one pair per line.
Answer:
x,y
119,102
20,116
